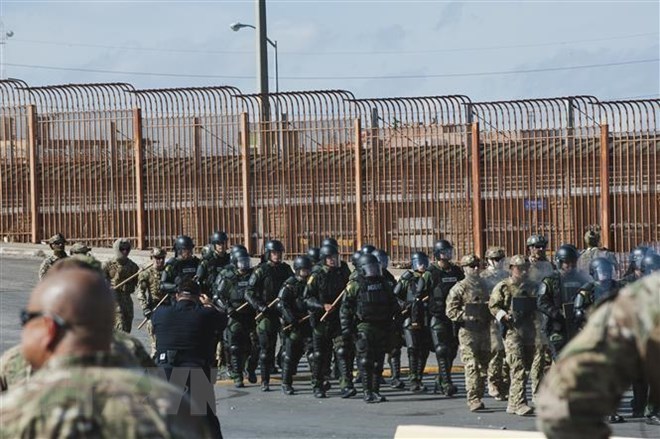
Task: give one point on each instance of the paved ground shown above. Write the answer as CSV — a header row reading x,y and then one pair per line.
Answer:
x,y
247,413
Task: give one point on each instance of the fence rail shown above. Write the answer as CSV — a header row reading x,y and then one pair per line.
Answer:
x,y
102,161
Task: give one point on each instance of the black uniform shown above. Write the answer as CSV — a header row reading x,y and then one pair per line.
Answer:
x,y
185,338
177,270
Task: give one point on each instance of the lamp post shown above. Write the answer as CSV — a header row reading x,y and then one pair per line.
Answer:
x,y
4,36
238,26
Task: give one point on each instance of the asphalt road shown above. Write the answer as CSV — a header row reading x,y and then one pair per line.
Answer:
x,y
248,412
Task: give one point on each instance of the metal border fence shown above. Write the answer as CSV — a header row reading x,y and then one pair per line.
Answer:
x,y
102,161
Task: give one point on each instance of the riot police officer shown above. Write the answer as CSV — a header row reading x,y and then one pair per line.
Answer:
x,y
182,266
634,270
415,314
556,297
229,295
297,331
263,288
323,288
214,259
186,333
438,280
369,306
314,253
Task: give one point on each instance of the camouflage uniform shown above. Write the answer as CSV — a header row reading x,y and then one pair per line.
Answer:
x,y
58,254
149,293
57,402
116,271
593,251
498,369
620,343
522,341
467,305
130,352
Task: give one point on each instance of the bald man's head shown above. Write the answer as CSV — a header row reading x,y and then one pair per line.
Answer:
x,y
74,314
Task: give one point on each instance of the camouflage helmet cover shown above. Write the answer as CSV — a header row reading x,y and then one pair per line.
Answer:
x,y
469,260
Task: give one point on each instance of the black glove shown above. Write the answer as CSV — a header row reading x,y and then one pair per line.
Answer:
x,y
147,313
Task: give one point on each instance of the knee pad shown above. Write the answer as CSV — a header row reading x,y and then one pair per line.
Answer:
x,y
341,351
441,350
363,362
316,356
263,356
234,349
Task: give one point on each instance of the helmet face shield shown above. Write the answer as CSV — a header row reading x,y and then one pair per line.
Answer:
x,y
602,273
372,270
420,264
447,253
243,262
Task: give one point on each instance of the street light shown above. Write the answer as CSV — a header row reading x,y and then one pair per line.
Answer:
x,y
238,26
4,36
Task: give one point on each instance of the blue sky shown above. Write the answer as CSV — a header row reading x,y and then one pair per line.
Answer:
x,y
415,42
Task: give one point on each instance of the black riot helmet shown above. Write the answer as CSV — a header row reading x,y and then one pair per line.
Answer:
x,y
314,253
237,247
650,263
382,257
207,252
601,269
419,261
330,241
355,259
369,266
184,242
443,250
566,253
302,262
218,237
273,246
329,251
367,249
638,254
240,259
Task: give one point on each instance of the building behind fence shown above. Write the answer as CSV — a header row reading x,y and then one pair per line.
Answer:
x,y
102,161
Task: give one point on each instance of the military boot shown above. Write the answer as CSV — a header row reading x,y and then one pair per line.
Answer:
x,y
236,362
376,391
348,389
443,384
287,389
475,406
395,367
415,381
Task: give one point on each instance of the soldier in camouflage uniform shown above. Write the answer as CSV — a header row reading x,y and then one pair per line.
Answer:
x,y
593,250
74,364
513,304
539,266
298,335
556,296
415,318
78,248
149,293
129,351
620,343
467,305
498,369
264,285
368,307
56,243
117,270
231,286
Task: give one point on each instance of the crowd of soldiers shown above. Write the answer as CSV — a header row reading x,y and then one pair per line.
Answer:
x,y
510,318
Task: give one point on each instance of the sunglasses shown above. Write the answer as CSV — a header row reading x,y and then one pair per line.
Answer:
x,y
25,316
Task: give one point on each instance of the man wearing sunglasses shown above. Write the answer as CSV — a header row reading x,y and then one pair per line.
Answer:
x,y
117,270
56,243
79,388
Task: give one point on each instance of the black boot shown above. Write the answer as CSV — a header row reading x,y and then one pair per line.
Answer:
x,y
395,367
376,391
444,384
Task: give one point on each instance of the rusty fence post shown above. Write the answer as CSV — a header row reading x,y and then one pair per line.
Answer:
x,y
605,204
357,126
245,173
197,164
35,217
477,209
138,153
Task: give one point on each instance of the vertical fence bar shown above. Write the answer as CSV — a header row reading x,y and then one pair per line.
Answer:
x,y
245,172
34,176
477,209
605,205
357,126
139,177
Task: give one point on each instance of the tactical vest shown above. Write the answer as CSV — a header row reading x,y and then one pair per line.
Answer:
x,y
273,277
331,284
442,282
240,285
373,303
184,269
293,299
